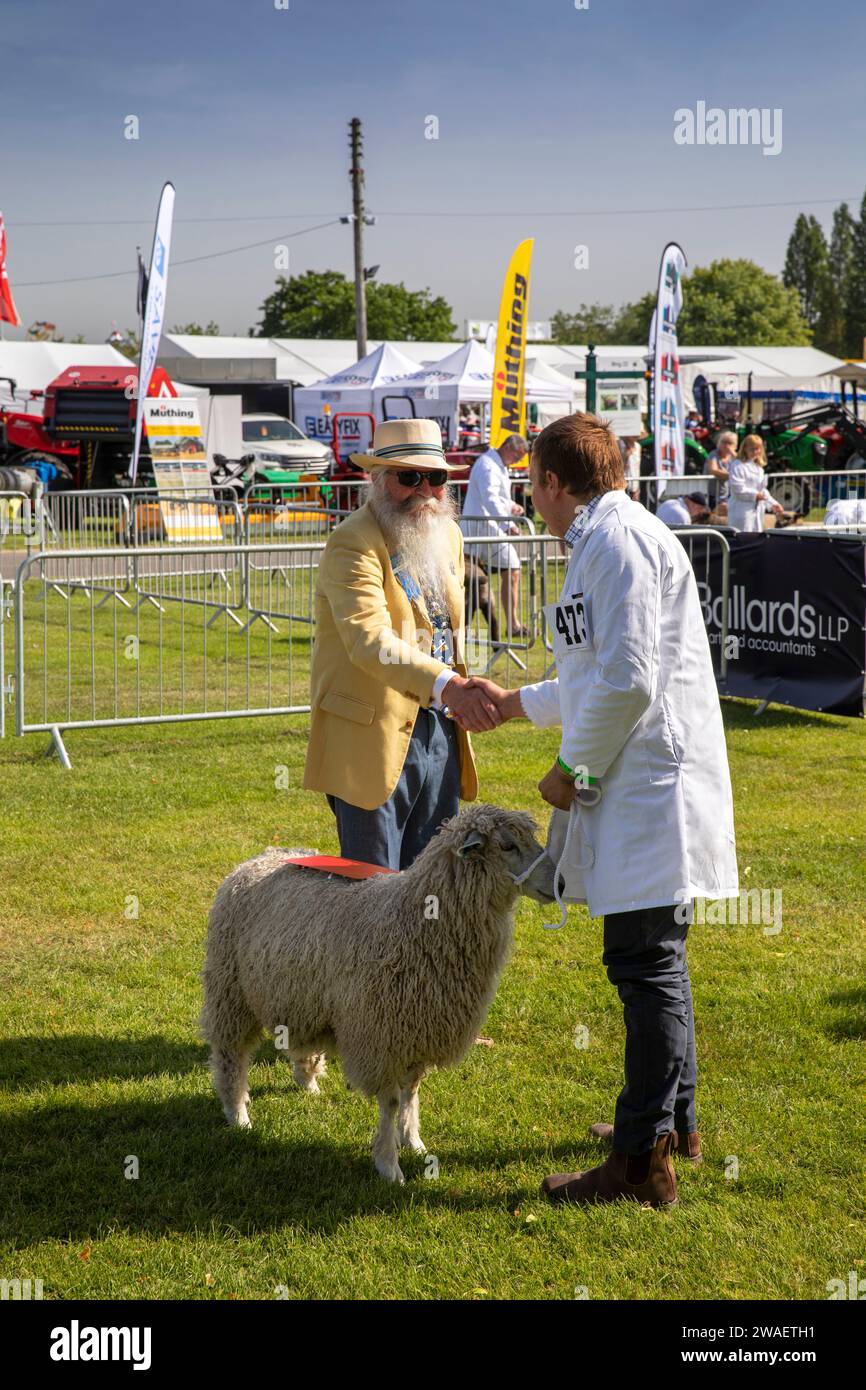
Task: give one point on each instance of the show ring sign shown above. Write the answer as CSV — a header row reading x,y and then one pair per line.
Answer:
x,y
796,618
180,465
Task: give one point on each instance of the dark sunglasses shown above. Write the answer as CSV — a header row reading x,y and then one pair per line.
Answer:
x,y
412,477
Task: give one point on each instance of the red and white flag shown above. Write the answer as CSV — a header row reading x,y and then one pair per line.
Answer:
x,y
8,312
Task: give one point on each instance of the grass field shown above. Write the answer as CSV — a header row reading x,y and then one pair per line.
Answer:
x,y
101,1063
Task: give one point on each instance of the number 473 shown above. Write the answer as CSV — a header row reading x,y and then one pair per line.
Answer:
x,y
570,623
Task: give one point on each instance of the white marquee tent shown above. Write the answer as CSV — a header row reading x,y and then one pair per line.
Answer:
x,y
33,365
436,391
568,395
350,390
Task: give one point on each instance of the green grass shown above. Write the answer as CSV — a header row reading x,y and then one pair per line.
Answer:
x,y
101,1061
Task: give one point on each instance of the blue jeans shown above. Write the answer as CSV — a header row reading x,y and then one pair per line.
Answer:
x,y
427,793
645,956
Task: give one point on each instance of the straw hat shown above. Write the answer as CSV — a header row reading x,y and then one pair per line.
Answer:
x,y
406,444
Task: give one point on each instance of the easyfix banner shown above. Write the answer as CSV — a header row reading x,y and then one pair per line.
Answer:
x,y
507,404
154,311
668,419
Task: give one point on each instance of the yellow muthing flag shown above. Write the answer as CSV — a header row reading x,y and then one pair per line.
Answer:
x,y
507,404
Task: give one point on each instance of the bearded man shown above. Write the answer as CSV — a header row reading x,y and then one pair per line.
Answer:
x,y
388,671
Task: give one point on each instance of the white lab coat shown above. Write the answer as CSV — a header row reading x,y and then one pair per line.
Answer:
x,y
636,697
745,481
489,495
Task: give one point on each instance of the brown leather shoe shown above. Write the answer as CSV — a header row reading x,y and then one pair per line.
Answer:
x,y
610,1182
686,1146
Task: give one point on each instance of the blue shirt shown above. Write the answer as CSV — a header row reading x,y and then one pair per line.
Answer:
x,y
582,516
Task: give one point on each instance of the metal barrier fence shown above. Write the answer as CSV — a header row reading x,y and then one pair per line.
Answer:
x,y
92,663
704,539
810,490
20,530
6,691
501,587
83,665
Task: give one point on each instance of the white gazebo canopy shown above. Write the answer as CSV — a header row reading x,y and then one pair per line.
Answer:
x,y
351,389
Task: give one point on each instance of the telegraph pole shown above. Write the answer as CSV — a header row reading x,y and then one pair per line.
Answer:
x,y
356,173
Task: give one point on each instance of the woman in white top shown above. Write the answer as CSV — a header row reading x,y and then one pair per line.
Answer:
x,y
748,498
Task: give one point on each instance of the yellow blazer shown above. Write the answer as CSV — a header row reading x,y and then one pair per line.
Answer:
x,y
370,672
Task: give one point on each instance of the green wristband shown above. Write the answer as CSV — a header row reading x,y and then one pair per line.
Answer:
x,y
570,772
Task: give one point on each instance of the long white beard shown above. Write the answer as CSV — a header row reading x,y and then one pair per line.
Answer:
x,y
420,531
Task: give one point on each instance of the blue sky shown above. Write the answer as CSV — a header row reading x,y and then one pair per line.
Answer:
x,y
543,109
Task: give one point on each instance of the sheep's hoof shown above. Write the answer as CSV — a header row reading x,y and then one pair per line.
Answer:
x,y
311,1087
415,1146
391,1172
239,1119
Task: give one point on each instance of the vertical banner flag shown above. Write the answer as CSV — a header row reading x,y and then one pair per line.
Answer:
x,y
8,312
668,422
154,311
507,403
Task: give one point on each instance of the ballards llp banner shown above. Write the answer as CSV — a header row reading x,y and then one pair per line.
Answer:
x,y
796,618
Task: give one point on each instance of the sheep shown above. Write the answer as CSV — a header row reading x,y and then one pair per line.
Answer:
x,y
393,973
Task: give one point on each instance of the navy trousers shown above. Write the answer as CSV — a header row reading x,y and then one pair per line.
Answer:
x,y
427,793
645,956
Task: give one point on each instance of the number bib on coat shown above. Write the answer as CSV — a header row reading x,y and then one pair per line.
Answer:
x,y
569,625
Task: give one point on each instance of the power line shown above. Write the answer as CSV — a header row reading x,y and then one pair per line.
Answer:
x,y
189,260
462,212
147,220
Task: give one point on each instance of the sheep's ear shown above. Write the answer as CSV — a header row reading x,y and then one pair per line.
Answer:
x,y
473,840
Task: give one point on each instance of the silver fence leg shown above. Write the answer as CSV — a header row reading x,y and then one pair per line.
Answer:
x,y
218,613
723,632
58,746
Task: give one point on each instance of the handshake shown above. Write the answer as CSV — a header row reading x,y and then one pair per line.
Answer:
x,y
479,704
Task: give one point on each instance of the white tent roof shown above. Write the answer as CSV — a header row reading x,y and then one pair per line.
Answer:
x,y
469,371
333,355
288,365
849,371
380,367
541,370
34,365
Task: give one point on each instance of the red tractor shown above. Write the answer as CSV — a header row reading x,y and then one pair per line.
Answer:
x,y
83,437
27,452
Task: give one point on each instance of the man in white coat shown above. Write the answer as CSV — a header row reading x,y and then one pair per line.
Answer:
x,y
636,697
486,509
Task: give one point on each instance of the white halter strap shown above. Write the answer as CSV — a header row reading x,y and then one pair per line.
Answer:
x,y
583,796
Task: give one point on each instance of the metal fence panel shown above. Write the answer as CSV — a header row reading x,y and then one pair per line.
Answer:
x,y
90,664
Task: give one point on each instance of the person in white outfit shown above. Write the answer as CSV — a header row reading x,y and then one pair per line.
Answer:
x,y
846,511
635,695
748,497
489,502
690,509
